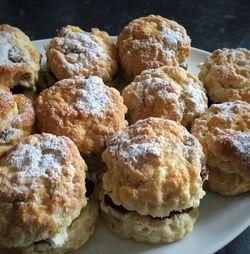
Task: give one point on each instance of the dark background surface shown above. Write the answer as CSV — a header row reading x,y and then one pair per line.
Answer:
x,y
210,24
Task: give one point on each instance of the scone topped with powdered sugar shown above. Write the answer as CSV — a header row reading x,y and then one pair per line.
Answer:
x,y
168,92
42,191
150,42
19,58
84,109
153,182
76,52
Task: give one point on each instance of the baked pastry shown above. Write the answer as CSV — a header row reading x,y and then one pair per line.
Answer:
x,y
43,196
17,118
150,42
168,92
226,75
84,109
19,58
76,52
224,132
153,182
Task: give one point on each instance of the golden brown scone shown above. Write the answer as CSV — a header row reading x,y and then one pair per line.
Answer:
x,y
150,42
168,92
226,75
17,118
224,132
42,190
130,224
84,109
220,181
19,58
153,168
76,52
78,232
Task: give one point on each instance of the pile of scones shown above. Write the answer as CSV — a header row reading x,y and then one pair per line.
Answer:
x,y
72,146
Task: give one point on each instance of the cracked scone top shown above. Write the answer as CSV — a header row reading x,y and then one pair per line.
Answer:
x,y
76,52
226,75
83,109
168,92
150,42
42,190
153,168
17,118
19,58
224,132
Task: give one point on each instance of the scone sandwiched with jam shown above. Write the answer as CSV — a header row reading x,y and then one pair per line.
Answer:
x,y
152,186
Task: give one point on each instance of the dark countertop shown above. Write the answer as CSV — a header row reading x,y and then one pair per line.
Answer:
x,y
210,24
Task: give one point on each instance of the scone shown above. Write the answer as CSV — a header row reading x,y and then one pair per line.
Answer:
x,y
76,52
168,92
150,42
224,132
153,182
226,75
19,58
17,118
44,208
84,109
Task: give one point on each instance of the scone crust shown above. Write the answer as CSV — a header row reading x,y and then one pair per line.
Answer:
x,y
153,168
79,231
168,92
83,109
150,42
145,228
19,58
76,52
42,189
224,132
17,118
227,184
226,75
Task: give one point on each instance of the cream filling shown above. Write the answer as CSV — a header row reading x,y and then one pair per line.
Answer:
x,y
59,239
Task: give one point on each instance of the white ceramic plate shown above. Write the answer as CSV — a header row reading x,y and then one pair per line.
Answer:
x,y
221,218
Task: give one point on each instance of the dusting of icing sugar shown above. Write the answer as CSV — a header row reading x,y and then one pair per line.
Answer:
x,y
197,96
92,97
227,109
242,141
80,50
5,97
41,159
153,43
7,50
171,37
9,134
130,152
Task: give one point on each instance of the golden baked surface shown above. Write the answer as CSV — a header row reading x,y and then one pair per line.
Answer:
x,y
226,75
150,42
17,118
153,168
169,92
76,52
19,58
83,109
42,181
224,132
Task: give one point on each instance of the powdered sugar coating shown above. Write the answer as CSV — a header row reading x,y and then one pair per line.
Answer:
x,y
168,92
92,96
153,168
42,187
80,49
35,161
